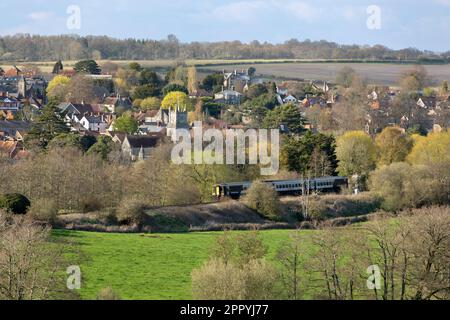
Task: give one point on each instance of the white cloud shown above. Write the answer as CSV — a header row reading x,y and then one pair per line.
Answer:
x,y
240,11
254,9
40,15
301,10
443,2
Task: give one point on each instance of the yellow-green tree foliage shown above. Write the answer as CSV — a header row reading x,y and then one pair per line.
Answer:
x,y
177,99
433,149
151,103
393,145
55,87
356,153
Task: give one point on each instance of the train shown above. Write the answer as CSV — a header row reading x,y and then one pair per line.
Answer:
x,y
235,190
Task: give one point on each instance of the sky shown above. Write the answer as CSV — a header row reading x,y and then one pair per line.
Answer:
x,y
422,24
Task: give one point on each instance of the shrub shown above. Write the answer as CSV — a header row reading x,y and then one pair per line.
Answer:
x,y
108,294
90,204
43,210
218,280
264,199
14,203
131,211
108,216
335,206
401,185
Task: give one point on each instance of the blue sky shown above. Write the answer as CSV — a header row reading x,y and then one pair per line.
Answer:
x,y
424,24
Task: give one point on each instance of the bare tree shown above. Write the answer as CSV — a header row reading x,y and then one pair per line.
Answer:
x,y
291,255
29,264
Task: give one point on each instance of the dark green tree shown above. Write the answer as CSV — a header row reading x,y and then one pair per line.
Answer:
x,y
73,140
287,116
87,66
47,126
256,90
135,66
150,77
58,67
14,203
174,87
212,80
305,153
102,147
146,91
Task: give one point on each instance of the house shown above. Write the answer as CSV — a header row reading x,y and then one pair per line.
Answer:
x,y
14,128
311,101
228,97
199,93
10,103
282,90
117,102
116,137
427,102
373,95
71,109
157,117
13,72
289,99
94,123
236,80
137,148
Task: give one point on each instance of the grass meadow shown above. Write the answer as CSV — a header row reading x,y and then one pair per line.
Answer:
x,y
150,266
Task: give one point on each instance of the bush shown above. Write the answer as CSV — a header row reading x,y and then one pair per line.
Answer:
x,y
264,199
43,210
108,216
108,294
14,203
218,280
336,206
131,211
90,204
401,185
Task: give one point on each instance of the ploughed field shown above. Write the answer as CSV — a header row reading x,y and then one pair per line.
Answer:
x,y
374,73
150,266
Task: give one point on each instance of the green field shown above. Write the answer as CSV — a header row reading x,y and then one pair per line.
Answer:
x,y
151,266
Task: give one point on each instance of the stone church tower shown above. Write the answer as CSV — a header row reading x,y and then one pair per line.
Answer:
x,y
177,120
22,87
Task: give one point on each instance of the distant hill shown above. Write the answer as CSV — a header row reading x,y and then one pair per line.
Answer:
x,y
25,47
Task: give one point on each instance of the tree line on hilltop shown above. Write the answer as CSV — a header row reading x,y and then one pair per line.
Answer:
x,y
27,47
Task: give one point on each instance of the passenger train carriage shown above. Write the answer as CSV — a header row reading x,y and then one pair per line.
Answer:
x,y
283,187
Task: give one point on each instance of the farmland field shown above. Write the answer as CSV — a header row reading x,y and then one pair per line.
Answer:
x,y
151,266
374,73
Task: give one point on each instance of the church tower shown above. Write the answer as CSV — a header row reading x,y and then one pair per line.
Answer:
x,y
22,87
177,120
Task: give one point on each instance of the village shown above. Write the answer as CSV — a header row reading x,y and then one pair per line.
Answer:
x,y
234,99
204,156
